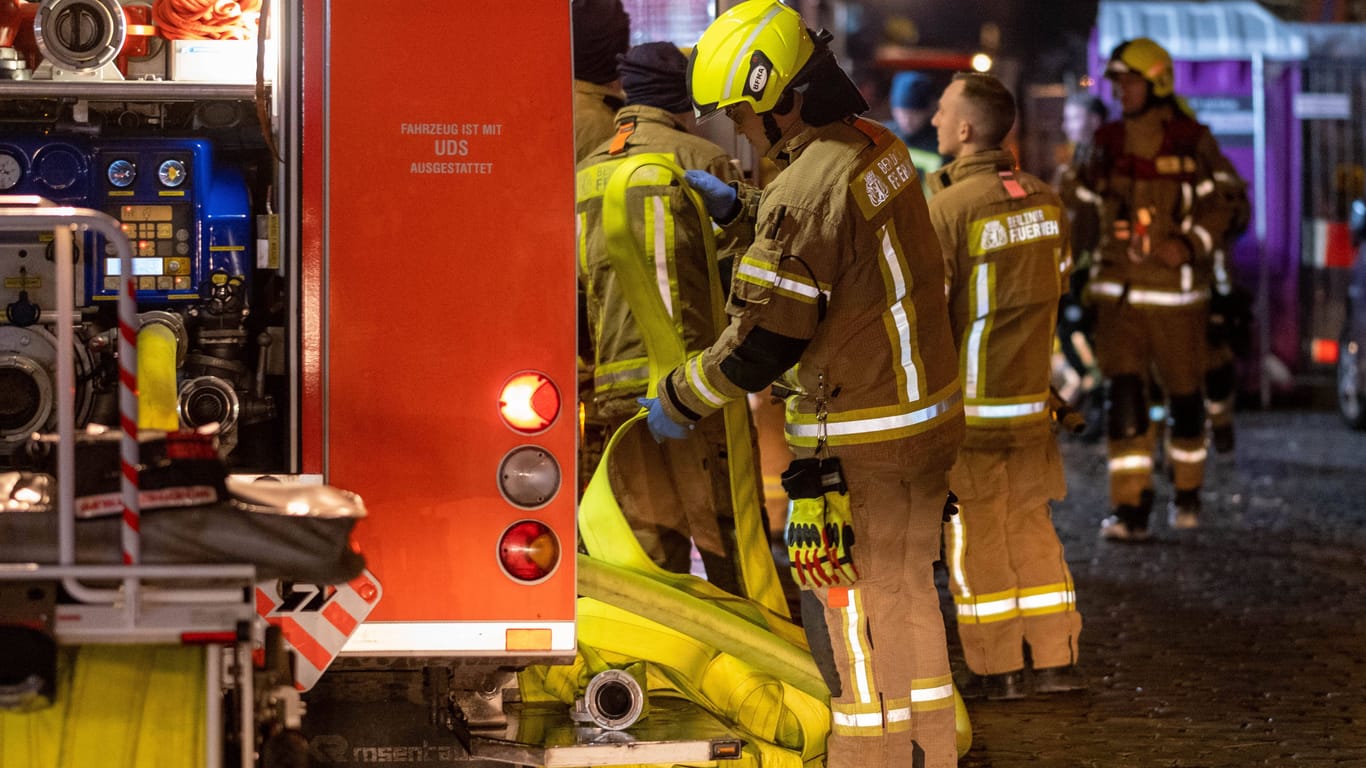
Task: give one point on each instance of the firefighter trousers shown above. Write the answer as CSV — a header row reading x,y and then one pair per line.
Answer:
x,y
677,494
1009,579
891,702
1135,342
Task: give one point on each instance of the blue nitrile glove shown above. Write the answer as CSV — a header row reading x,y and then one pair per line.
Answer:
x,y
661,426
720,198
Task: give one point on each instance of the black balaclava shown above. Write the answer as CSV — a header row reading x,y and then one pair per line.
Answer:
x,y
602,31
655,75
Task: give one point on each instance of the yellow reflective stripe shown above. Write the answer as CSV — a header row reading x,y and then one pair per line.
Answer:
x,y
790,284
931,693
581,236
981,288
621,374
1148,297
701,386
853,625
1050,598
901,319
1133,462
1186,457
984,609
862,426
591,182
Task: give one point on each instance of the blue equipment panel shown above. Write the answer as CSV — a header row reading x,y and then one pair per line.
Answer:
x,y
187,218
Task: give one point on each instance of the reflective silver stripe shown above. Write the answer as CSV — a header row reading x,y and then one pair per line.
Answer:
x,y
699,384
903,323
957,544
936,693
859,662
661,254
899,715
1187,457
1002,607
981,275
867,720
1004,411
1216,407
1149,297
745,50
799,287
1185,197
883,424
1204,236
1131,463
1048,600
1087,196
1224,177
1205,187
609,379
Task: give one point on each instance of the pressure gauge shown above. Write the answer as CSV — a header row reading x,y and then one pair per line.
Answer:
x,y
122,173
9,171
171,173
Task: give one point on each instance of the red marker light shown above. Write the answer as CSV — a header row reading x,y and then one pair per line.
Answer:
x,y
529,402
528,550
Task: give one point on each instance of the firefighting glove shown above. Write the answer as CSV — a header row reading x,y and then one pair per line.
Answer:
x,y
723,204
820,530
661,426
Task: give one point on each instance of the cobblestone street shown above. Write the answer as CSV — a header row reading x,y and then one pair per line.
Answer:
x,y
1241,643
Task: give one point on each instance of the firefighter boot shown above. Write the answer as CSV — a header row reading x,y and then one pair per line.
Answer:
x,y
1184,511
1129,522
1006,686
1059,679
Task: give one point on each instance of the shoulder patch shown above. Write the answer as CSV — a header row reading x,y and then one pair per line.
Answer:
x,y
883,179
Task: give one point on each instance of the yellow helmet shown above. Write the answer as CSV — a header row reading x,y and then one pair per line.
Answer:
x,y
1146,59
752,52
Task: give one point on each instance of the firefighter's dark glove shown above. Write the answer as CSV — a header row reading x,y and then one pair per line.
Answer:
x,y
661,426
720,198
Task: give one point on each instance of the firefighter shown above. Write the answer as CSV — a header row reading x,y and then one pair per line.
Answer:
x,y
1082,115
844,282
1004,237
912,103
1161,219
601,32
691,501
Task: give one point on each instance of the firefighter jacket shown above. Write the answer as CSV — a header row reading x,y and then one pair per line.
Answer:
x,y
845,278
1083,209
595,109
1158,176
1004,237
665,220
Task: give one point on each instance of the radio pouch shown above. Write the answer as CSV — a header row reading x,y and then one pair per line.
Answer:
x,y
820,527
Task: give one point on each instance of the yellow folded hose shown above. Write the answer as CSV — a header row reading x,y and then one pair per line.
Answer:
x,y
754,559
118,706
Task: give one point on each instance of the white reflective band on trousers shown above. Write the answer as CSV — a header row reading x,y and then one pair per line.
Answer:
x,y
1147,297
1131,463
833,427
1187,457
1012,411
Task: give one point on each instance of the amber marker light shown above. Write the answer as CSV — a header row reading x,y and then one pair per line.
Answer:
x,y
529,402
528,550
